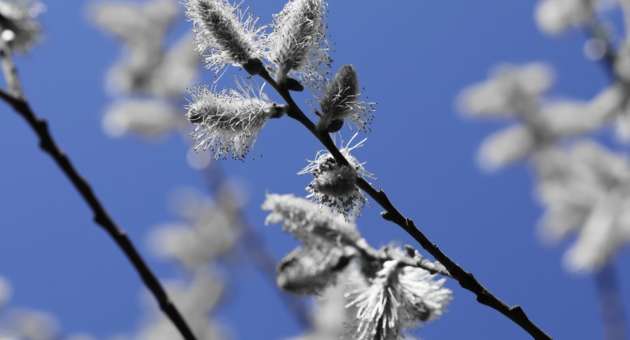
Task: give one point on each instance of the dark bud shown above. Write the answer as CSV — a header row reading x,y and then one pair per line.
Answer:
x,y
254,67
292,85
195,118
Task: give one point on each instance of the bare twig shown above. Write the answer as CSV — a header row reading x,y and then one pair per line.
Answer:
x,y
101,216
610,299
465,279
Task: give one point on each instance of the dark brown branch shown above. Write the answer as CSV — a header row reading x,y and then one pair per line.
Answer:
x,y
101,216
465,279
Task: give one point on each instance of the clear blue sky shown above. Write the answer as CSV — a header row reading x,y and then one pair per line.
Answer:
x,y
413,58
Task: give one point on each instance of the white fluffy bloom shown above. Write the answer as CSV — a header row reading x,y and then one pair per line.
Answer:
x,y
228,122
514,92
341,101
586,192
308,221
224,33
334,185
18,23
397,297
508,89
149,118
29,324
556,16
298,41
141,27
206,232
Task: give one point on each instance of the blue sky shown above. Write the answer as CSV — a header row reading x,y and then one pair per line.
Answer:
x,y
413,58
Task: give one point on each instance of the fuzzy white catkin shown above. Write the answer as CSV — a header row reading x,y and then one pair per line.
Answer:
x,y
224,34
341,100
142,28
298,41
302,218
206,231
556,16
507,89
29,324
228,122
19,27
334,185
396,298
149,118
585,192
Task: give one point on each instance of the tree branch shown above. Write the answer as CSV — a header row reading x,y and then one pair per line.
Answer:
x,y
101,216
465,279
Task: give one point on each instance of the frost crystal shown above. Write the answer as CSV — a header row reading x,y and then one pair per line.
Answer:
x,y
333,185
298,41
224,33
341,101
18,25
397,297
586,191
228,122
147,117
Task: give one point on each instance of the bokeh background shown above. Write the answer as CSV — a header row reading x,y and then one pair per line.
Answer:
x,y
413,58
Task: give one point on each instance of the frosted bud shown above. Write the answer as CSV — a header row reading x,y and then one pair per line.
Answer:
x,y
341,101
227,35
18,25
228,122
298,41
334,185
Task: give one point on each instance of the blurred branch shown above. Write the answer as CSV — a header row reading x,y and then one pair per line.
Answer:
x,y
254,246
606,280
465,279
101,216
614,318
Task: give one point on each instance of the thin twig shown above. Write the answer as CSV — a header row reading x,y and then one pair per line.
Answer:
x,y
606,280
100,215
255,247
465,279
610,300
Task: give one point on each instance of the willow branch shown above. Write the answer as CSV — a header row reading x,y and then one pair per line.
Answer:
x,y
606,280
613,313
100,215
465,279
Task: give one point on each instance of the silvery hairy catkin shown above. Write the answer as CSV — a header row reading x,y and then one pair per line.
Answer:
x,y
226,35
341,101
